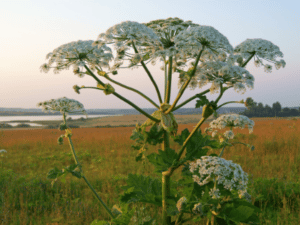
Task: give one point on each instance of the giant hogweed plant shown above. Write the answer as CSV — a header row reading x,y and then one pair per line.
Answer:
x,y
213,188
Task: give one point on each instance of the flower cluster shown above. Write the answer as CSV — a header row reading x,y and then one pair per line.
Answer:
x,y
63,105
220,172
126,34
194,38
78,54
231,121
222,71
167,30
261,49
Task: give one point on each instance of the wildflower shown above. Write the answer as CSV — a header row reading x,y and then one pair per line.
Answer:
x,y
194,38
63,105
232,121
221,172
262,49
77,54
3,151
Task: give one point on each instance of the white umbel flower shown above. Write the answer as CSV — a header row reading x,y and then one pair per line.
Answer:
x,y
77,54
262,49
194,38
63,105
232,121
220,171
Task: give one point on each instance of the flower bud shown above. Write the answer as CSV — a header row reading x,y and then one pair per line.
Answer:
x,y
60,140
114,72
102,73
76,89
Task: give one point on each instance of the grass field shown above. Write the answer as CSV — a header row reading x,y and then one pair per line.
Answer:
x,y
26,196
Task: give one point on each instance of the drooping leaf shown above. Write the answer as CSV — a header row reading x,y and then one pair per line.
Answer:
x,y
142,188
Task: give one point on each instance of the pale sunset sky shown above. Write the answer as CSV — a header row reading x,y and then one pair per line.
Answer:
x,y
30,29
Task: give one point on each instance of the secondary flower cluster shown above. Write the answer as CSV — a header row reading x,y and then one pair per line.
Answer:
x,y
220,72
262,49
63,105
77,54
231,121
221,172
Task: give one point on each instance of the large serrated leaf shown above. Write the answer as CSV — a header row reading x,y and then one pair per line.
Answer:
x,y
142,188
163,160
154,136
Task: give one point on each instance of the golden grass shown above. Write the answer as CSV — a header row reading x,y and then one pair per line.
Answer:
x,y
107,159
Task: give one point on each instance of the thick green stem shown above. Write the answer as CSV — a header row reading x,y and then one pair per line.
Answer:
x,y
165,184
80,168
132,89
169,82
186,83
122,98
166,79
149,75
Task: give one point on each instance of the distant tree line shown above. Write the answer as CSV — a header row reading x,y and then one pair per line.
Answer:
x,y
258,110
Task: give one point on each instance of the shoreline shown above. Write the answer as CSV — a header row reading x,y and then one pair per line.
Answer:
x,y
122,121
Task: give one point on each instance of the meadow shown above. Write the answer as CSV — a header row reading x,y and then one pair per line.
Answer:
x,y
26,195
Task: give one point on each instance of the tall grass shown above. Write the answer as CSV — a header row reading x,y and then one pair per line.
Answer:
x,y
26,196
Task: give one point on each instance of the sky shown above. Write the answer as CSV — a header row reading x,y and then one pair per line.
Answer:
x,y
30,29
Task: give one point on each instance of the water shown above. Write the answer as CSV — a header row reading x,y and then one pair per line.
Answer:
x,y
27,119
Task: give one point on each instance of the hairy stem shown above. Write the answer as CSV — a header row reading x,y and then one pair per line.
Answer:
x,y
165,184
169,82
80,168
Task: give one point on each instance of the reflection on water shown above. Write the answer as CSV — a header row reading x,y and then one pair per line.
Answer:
x,y
31,124
40,118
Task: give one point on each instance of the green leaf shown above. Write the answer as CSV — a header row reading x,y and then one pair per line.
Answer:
x,y
203,101
154,136
54,173
163,160
241,213
71,169
100,222
240,210
142,188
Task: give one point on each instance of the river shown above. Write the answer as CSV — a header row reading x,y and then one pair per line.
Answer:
x,y
15,120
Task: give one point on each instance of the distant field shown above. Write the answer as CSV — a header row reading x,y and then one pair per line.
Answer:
x,y
26,196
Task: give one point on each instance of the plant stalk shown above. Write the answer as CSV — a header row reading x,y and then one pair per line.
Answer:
x,y
79,166
186,83
132,89
122,98
149,75
165,184
169,82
